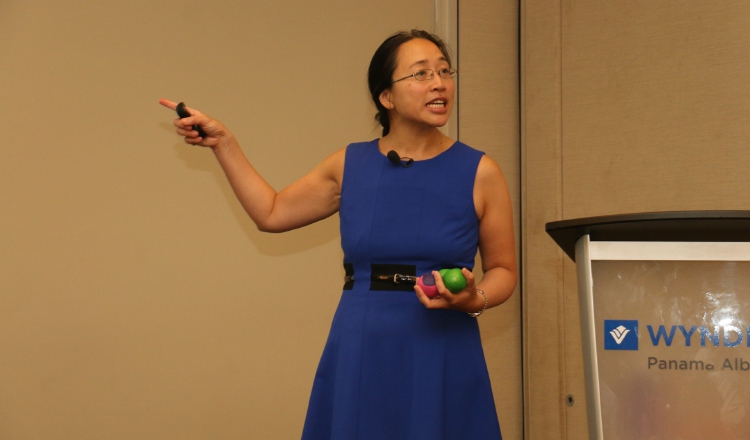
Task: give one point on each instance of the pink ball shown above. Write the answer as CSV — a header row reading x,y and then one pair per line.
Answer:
x,y
427,283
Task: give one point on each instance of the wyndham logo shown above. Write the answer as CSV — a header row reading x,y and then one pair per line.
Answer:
x,y
620,334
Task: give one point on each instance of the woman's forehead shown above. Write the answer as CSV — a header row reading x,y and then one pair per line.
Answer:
x,y
419,53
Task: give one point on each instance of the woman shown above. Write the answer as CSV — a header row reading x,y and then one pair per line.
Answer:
x,y
396,366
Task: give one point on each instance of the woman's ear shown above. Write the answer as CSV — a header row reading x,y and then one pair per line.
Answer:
x,y
385,99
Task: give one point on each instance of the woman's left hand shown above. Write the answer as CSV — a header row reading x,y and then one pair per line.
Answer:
x,y
467,300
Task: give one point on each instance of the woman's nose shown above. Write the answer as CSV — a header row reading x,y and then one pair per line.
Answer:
x,y
437,83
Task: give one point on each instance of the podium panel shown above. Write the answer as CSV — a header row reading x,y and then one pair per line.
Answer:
x,y
665,322
666,330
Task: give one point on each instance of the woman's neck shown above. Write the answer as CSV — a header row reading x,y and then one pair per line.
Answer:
x,y
416,145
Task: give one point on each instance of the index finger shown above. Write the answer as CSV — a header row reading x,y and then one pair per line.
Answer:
x,y
167,103
436,302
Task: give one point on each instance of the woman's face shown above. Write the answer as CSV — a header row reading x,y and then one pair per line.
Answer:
x,y
423,103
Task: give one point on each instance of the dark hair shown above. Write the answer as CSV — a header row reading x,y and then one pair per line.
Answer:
x,y
383,64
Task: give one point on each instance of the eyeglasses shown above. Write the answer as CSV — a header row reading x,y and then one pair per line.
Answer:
x,y
428,74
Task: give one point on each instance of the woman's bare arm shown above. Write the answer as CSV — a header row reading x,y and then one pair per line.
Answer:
x,y
496,247
313,197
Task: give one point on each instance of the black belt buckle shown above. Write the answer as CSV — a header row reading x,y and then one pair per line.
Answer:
x,y
397,278
389,277
393,277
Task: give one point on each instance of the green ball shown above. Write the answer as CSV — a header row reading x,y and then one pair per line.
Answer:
x,y
454,280
443,271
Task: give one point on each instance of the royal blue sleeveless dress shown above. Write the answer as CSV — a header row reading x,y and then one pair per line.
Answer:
x,y
391,369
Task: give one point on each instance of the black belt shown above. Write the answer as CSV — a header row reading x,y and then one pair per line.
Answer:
x,y
390,277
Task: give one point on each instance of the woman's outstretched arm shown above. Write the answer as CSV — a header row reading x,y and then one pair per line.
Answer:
x,y
313,197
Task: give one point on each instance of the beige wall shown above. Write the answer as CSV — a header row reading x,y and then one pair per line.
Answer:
x,y
136,298
626,107
489,120
137,301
